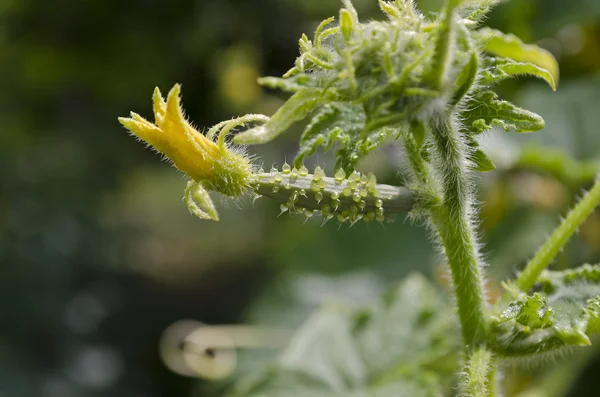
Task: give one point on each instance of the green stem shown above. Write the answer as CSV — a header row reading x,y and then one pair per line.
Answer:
x,y
413,141
452,221
559,238
478,377
450,216
423,184
492,382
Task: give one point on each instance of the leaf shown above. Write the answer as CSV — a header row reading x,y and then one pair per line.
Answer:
x,y
388,350
278,383
574,109
295,109
333,123
477,11
511,47
481,161
407,328
327,331
359,146
293,84
504,68
577,289
343,124
485,111
564,312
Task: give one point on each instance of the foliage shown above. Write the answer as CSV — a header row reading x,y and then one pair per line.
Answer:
x,y
358,353
563,313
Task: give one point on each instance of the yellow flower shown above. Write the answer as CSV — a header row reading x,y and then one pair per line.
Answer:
x,y
207,162
211,164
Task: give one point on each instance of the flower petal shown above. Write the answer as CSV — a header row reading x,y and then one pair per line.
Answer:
x,y
160,106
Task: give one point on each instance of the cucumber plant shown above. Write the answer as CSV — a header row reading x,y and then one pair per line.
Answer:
x,y
427,84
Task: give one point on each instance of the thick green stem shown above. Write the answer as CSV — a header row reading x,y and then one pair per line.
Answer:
x,y
450,216
452,221
559,238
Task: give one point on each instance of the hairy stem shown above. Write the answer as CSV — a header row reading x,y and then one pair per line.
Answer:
x,y
452,221
559,238
411,145
423,183
478,377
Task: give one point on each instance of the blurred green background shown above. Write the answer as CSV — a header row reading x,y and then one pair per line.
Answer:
x,y
98,254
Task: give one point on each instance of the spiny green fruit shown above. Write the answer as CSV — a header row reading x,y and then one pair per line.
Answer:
x,y
345,198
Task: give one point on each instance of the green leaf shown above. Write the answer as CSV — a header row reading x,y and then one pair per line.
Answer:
x,y
333,123
564,312
395,348
482,161
407,328
327,331
504,68
485,111
511,47
278,383
291,84
579,284
578,287
359,146
295,109
343,124
477,11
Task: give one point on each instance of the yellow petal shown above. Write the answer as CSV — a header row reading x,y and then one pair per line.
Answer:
x,y
160,106
141,122
148,133
175,119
